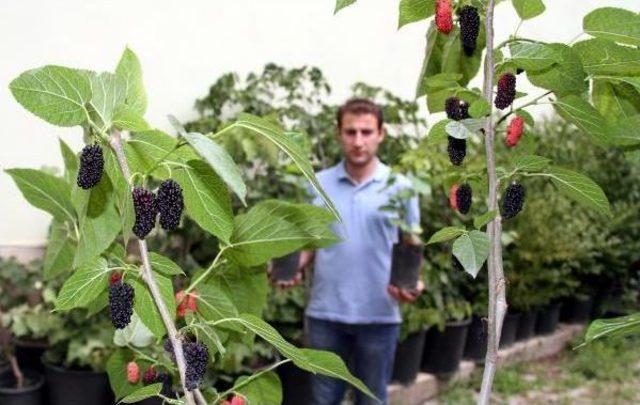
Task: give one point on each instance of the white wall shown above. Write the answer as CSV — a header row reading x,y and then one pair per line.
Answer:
x,y
184,46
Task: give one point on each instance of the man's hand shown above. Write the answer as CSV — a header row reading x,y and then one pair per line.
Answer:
x,y
404,295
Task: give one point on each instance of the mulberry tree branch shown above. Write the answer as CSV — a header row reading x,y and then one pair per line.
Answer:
x,y
147,275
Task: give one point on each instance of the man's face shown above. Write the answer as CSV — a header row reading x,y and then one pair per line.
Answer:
x,y
360,138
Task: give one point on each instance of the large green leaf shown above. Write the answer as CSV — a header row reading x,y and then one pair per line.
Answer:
x,y
472,250
146,148
60,250
45,191
70,162
616,98
130,71
206,198
220,161
437,133
108,95
533,56
142,393
626,131
580,188
425,71
246,287
564,77
340,4
617,24
605,57
446,234
116,368
213,303
530,163
528,9
614,327
134,334
84,285
415,10
146,308
580,113
54,93
97,234
164,265
121,195
264,389
274,228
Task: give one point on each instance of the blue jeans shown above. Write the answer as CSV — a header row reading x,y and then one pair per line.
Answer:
x,y
368,350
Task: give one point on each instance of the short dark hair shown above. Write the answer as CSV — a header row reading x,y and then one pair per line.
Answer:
x,y
360,106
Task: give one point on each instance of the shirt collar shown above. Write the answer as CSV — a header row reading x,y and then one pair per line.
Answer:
x,y
379,174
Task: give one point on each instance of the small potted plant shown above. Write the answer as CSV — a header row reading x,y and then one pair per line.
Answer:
x,y
18,386
285,268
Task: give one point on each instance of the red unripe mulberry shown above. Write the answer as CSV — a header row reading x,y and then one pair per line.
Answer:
x,y
185,304
453,198
515,131
444,16
133,372
114,278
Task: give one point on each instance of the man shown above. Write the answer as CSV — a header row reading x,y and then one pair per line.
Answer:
x,y
353,311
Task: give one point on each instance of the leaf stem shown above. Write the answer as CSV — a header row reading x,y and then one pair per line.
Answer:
x,y
530,103
204,275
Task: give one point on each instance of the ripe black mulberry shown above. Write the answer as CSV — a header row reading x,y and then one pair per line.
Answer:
x,y
457,150
513,200
506,91
91,166
170,204
456,109
196,356
464,195
469,28
121,304
146,210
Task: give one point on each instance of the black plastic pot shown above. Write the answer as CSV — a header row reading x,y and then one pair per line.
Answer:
x,y
475,347
509,328
296,384
29,353
30,394
405,265
526,325
285,268
77,387
408,358
576,311
443,350
547,321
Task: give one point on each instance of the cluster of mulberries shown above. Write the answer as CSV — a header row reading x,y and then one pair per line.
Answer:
x,y
456,109
514,131
146,210
170,204
133,372
460,197
120,304
91,166
469,28
506,91
196,356
513,200
444,16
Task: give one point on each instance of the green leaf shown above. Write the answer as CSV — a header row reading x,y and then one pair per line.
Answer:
x,y
528,9
613,328
147,148
616,98
273,228
484,219
116,368
54,93
146,308
530,163
286,144
164,265
532,56
465,128
415,10
472,249
446,234
425,71
97,234
580,188
142,393
605,57
265,389
108,95
134,334
612,23
564,77
130,71
60,250
246,287
213,303
437,133
580,113
129,120
220,161
121,194
626,131
45,191
84,285
70,162
479,108
340,4
206,198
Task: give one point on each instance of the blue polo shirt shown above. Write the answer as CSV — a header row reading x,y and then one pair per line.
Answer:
x,y
351,277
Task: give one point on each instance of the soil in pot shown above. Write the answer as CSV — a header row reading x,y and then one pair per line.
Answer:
x,y
443,350
296,384
29,394
408,358
77,387
547,321
29,353
475,347
509,328
285,268
526,325
576,311
405,265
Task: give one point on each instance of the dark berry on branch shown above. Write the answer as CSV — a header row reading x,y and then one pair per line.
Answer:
x,y
146,210
121,304
170,204
91,166
513,200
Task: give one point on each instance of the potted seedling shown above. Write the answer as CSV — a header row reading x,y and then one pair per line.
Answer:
x,y
18,386
285,268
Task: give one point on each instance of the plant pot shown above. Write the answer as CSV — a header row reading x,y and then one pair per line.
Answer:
x,y
576,311
475,347
526,325
296,384
547,321
285,268
30,394
405,265
443,350
77,387
509,328
29,353
408,357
